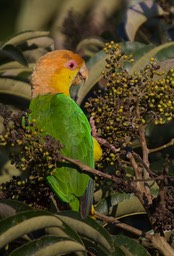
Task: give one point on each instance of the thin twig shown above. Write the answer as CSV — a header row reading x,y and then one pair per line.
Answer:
x,y
137,169
87,168
170,143
100,140
143,143
143,164
135,231
141,188
142,140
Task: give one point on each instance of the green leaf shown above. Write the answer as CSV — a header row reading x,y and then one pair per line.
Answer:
x,y
34,54
136,49
15,53
50,246
11,65
88,229
15,204
96,249
165,53
160,53
133,2
96,65
129,246
16,72
127,204
15,69
138,14
15,87
67,231
40,42
89,46
22,37
6,57
25,222
166,65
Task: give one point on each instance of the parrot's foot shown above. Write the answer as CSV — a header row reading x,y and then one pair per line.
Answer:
x,y
92,212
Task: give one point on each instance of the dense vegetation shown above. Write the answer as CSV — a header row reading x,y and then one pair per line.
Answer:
x,y
128,99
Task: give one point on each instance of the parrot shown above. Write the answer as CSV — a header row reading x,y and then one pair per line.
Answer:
x,y
60,117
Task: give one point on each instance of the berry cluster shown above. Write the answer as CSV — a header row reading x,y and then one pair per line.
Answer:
x,y
33,153
130,102
33,191
162,211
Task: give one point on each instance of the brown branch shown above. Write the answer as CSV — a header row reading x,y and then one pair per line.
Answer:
x,y
143,143
94,171
137,169
141,188
142,140
87,168
135,231
101,141
158,242
138,185
153,150
161,244
144,164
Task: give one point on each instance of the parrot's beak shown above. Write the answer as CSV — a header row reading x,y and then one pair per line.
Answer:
x,y
82,75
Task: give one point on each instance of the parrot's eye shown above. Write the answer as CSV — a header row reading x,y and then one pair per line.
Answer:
x,y
71,64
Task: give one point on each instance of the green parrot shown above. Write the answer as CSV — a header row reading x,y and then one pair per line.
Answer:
x,y
59,116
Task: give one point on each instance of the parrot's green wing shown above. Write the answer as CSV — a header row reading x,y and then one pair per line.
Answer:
x,y
63,119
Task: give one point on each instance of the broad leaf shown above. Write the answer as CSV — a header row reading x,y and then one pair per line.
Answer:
x,y
9,207
50,246
24,36
129,246
15,53
15,87
96,65
161,53
26,222
120,205
88,229
138,14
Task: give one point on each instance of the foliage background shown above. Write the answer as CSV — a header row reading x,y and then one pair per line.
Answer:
x,y
143,36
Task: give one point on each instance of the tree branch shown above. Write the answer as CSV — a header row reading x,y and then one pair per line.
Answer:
x,y
94,171
100,140
141,187
158,242
87,168
144,147
153,150
110,219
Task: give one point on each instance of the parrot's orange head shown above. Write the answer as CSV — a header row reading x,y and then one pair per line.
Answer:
x,y
56,71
